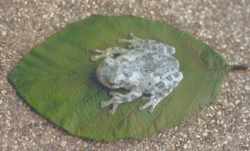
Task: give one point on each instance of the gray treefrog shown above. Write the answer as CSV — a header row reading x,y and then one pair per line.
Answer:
x,y
145,67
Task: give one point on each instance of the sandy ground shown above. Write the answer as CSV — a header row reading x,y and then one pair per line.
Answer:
x,y
223,24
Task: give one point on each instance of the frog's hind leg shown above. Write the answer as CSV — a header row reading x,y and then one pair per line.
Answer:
x,y
118,98
163,89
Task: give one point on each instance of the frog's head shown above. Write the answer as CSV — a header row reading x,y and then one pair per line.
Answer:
x,y
109,74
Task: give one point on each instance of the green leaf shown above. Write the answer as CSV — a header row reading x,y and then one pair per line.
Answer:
x,y
58,79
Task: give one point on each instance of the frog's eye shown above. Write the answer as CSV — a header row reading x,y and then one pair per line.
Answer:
x,y
109,62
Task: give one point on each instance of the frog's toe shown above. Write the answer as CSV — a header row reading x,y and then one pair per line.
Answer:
x,y
124,41
111,112
131,35
133,46
141,108
152,104
104,104
97,51
145,98
112,93
151,108
107,103
114,106
94,58
144,106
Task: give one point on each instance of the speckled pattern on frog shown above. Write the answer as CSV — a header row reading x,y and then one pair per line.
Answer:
x,y
144,67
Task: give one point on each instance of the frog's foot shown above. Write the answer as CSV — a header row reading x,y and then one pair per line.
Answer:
x,y
118,98
146,98
133,41
109,52
101,54
152,103
132,36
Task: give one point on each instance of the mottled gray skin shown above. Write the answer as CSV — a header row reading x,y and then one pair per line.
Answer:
x,y
145,67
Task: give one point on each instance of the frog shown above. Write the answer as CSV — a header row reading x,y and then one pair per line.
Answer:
x,y
145,67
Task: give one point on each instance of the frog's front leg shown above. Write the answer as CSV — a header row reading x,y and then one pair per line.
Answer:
x,y
118,98
109,52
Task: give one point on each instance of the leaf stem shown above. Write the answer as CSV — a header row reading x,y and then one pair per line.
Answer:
x,y
239,68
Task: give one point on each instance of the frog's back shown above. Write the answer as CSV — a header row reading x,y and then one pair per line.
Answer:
x,y
148,63
156,63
